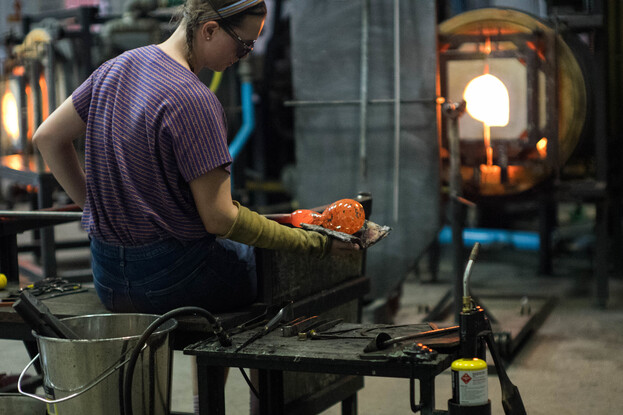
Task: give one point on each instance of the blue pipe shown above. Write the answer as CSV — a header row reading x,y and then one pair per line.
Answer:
x,y
248,120
522,240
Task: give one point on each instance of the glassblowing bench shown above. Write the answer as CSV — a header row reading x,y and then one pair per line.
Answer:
x,y
331,287
340,351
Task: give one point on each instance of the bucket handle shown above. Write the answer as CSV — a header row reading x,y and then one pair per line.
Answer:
x,y
86,387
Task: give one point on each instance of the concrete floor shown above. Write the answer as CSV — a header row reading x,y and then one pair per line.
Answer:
x,y
573,364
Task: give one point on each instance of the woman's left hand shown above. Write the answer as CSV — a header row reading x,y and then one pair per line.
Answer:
x,y
343,248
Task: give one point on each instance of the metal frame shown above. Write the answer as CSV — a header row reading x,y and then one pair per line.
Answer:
x,y
14,222
212,359
602,191
86,17
534,64
45,247
33,171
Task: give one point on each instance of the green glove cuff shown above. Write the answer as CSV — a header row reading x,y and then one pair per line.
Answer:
x,y
253,229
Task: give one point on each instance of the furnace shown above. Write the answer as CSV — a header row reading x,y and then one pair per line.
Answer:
x,y
526,97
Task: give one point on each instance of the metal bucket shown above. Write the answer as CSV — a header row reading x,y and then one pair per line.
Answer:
x,y
85,376
14,403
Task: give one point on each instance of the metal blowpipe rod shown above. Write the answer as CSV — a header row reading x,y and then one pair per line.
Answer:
x,y
467,299
39,214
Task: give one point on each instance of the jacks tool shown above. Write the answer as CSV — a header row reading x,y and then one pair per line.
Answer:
x,y
384,340
284,314
318,328
298,325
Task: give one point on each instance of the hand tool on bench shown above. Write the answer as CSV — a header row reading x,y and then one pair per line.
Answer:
x,y
284,314
257,321
317,329
384,340
298,325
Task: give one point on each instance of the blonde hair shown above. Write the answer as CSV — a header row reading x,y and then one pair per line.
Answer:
x,y
195,12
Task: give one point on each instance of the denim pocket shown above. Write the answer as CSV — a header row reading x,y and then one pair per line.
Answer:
x,y
191,290
105,294
209,285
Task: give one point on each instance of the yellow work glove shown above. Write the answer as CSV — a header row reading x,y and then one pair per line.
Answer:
x,y
253,229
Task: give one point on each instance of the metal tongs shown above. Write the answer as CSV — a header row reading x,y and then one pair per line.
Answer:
x,y
284,314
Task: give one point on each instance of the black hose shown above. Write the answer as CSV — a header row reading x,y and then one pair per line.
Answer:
x,y
223,337
249,383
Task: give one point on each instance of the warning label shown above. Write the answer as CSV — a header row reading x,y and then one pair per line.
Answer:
x,y
470,387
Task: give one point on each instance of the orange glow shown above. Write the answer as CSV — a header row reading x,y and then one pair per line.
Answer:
x,y
486,48
18,71
45,105
303,216
539,51
345,215
490,174
30,105
487,100
30,110
541,147
10,116
21,162
514,173
14,162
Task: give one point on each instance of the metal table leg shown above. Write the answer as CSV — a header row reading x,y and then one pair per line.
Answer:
x,y
211,384
47,247
8,257
427,395
349,405
271,392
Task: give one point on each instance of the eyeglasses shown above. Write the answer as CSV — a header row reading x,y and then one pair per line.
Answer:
x,y
244,48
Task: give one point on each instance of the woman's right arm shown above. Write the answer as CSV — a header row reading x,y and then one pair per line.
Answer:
x,y
221,216
54,138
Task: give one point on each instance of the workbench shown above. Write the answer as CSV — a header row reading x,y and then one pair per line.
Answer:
x,y
189,330
273,354
330,296
331,287
13,327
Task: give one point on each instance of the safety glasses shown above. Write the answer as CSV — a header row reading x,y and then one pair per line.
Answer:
x,y
244,48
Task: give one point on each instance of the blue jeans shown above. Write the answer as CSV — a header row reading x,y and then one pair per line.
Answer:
x,y
215,274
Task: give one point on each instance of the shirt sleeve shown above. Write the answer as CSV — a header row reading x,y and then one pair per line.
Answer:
x,y
81,98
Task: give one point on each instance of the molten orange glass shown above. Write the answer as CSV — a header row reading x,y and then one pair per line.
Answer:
x,y
345,215
303,216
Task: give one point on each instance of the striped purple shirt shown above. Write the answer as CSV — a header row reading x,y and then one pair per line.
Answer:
x,y
152,126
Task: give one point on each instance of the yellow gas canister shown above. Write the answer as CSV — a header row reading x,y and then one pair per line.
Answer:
x,y
469,382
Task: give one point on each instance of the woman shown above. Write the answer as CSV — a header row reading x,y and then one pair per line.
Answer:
x,y
155,190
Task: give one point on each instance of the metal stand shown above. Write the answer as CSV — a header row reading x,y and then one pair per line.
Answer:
x,y
14,222
508,344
